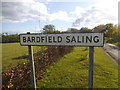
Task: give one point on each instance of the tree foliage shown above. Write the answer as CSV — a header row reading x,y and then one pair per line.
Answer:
x,y
10,38
99,28
108,29
49,28
111,32
85,29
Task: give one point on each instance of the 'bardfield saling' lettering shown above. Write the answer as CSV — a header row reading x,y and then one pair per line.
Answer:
x,y
60,39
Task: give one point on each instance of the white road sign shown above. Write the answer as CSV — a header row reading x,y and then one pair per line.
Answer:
x,y
63,39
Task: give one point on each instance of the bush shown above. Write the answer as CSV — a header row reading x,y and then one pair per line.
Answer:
x,y
115,38
19,76
10,38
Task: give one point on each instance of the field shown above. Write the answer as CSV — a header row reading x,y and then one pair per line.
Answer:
x,y
13,54
72,71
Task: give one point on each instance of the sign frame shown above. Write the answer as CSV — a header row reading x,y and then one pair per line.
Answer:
x,y
63,34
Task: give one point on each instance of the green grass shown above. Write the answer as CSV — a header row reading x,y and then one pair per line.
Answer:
x,y
118,43
72,72
10,53
106,70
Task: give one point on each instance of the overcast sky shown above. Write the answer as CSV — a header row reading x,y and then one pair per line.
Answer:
x,y
21,16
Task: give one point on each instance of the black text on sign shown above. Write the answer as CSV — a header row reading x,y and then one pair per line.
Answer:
x,y
73,39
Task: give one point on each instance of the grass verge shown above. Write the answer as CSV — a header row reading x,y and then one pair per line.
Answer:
x,y
13,54
71,71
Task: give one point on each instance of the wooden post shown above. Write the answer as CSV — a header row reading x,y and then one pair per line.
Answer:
x,y
91,67
30,51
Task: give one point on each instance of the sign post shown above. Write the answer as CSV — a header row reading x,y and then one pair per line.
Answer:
x,y
91,68
32,67
31,59
63,39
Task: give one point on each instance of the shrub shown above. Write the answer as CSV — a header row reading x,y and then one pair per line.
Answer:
x,y
19,76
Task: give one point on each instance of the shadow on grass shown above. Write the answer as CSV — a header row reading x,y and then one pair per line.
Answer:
x,y
25,56
21,57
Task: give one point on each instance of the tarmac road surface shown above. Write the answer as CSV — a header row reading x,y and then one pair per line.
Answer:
x,y
113,51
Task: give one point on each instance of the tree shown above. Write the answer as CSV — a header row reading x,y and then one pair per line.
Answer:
x,y
49,28
85,29
100,28
70,30
110,30
9,38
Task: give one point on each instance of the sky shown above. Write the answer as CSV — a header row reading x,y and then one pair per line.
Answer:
x,y
21,16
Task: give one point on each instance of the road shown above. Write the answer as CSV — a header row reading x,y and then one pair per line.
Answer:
x,y
113,51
